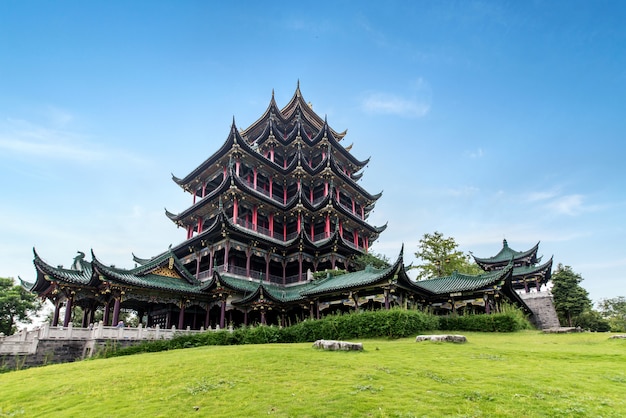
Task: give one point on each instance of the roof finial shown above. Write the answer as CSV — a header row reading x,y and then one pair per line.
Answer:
x,y
298,89
504,243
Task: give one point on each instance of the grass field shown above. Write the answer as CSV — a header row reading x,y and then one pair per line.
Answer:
x,y
518,374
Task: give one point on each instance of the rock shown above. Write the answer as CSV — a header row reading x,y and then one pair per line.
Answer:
x,y
441,338
334,345
562,330
620,336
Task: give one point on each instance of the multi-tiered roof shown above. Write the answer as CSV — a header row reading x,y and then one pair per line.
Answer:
x,y
282,193
528,271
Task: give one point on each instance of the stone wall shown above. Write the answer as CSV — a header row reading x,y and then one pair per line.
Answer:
x,y
542,306
52,351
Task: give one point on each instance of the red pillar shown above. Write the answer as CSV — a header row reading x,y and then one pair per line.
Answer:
x,y
57,309
206,317
271,188
235,209
272,224
263,317
211,254
299,222
68,312
327,226
223,314
255,217
116,311
267,267
300,267
181,316
255,177
248,255
226,248
107,310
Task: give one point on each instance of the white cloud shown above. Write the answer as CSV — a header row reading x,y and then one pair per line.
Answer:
x,y
29,139
567,205
476,154
540,196
390,104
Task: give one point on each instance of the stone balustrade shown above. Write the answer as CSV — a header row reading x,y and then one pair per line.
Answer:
x,y
26,341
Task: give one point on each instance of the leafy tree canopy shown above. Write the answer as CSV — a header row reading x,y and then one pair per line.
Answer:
x,y
570,299
375,260
439,257
614,310
16,304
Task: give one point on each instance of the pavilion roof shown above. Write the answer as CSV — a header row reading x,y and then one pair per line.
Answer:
x,y
80,273
164,272
506,254
458,282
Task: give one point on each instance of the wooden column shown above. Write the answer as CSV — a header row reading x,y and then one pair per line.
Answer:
x,y
211,254
116,311
106,314
207,323
181,316
223,314
57,310
248,256
68,312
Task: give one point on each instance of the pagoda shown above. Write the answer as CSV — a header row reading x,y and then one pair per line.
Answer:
x,y
278,201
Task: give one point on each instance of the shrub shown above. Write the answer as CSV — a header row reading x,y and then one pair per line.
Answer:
x,y
394,323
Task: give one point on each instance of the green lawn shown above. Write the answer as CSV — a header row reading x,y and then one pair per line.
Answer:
x,y
519,374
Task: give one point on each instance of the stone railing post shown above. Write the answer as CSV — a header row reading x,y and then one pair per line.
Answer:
x,y
98,330
44,331
68,332
139,332
157,332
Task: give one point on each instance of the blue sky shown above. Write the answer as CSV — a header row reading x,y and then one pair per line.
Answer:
x,y
484,120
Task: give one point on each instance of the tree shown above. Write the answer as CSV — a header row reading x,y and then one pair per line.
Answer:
x,y
440,257
16,304
570,299
378,261
614,310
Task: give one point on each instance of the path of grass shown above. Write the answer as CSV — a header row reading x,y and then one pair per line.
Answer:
x,y
518,374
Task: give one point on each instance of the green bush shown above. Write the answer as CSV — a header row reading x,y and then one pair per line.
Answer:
x,y
510,319
394,323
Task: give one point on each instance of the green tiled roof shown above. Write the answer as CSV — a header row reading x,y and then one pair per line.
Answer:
x,y
140,276
278,292
506,254
530,270
356,279
79,274
458,282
